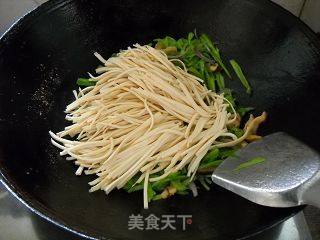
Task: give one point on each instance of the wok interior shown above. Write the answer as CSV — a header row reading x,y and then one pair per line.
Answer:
x,y
41,58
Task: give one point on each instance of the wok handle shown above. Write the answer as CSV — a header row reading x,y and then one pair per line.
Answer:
x,y
311,193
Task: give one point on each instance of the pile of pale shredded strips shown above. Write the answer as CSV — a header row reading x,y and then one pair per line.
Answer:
x,y
144,115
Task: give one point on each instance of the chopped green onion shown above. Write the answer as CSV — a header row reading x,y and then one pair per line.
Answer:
x,y
136,188
201,67
190,37
163,183
182,192
84,82
211,83
151,193
129,184
179,185
250,163
157,197
210,164
237,69
206,40
212,155
220,81
199,55
208,179
204,184
228,95
227,152
165,42
194,71
215,53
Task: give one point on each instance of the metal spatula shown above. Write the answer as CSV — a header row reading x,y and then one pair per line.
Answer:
x,y
277,171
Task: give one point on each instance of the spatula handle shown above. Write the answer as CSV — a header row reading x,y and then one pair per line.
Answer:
x,y
311,191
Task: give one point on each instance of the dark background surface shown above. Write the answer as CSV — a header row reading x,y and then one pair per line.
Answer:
x,y
42,98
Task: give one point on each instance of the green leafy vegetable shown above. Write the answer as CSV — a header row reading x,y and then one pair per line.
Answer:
x,y
237,69
250,163
84,82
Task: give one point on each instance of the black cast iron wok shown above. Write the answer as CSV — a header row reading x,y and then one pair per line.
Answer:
x,y
44,53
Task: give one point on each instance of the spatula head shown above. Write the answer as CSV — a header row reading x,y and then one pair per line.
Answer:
x,y
274,171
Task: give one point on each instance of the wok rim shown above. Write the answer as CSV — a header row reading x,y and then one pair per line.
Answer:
x,y
41,210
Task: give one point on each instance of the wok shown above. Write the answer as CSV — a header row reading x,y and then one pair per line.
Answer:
x,y
43,54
